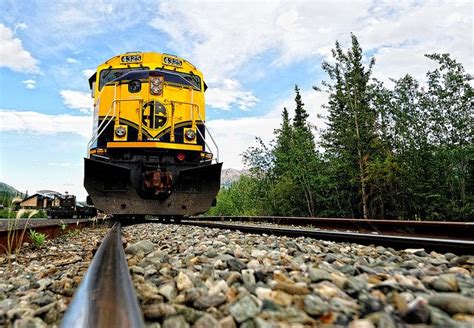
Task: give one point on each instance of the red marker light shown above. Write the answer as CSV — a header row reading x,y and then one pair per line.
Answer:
x,y
180,157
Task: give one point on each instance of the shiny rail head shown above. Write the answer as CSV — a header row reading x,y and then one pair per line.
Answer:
x,y
105,297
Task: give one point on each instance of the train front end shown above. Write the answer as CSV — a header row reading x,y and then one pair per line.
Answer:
x,y
150,153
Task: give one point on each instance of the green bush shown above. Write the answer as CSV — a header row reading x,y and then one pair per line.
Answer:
x,y
4,213
38,214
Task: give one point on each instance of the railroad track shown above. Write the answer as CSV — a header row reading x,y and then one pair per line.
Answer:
x,y
106,297
431,229
442,237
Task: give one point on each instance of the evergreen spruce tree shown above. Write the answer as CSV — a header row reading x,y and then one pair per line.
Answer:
x,y
351,129
283,144
303,157
299,121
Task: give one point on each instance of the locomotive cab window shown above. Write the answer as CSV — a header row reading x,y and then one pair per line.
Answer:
x,y
134,86
107,75
181,79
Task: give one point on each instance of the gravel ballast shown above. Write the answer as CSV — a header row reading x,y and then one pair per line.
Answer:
x,y
199,277
220,278
37,283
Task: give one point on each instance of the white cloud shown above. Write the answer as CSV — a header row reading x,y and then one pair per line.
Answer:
x,y
226,92
87,73
20,26
29,84
13,55
72,61
39,123
313,104
231,40
401,34
235,136
79,100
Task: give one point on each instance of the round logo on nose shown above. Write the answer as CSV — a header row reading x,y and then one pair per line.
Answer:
x,y
154,115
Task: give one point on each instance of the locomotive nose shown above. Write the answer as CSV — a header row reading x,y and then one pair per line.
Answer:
x,y
113,189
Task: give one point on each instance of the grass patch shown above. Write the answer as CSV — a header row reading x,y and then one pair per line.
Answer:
x,y
37,238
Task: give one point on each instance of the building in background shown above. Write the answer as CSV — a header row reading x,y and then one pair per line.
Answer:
x,y
42,200
37,201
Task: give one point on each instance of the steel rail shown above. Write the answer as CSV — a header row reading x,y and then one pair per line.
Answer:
x,y
396,242
105,297
443,229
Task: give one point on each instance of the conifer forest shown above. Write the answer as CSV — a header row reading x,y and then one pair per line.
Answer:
x,y
399,152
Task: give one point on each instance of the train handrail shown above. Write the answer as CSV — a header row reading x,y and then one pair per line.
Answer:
x,y
193,106
107,118
210,135
97,132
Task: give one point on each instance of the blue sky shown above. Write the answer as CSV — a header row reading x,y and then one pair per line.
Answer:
x,y
251,54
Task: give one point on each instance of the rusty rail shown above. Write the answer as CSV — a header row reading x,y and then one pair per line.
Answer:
x,y
105,297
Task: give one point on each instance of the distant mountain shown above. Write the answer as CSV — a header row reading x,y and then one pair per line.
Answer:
x,y
231,175
6,188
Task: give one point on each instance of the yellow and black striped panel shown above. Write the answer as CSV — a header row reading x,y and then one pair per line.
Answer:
x,y
162,136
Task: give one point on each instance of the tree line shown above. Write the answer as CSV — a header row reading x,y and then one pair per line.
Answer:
x,y
401,152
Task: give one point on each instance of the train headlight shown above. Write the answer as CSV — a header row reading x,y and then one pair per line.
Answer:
x,y
155,80
190,134
120,131
156,85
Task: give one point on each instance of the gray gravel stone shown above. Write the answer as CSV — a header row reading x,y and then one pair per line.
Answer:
x,y
189,314
330,258
207,301
416,251
314,305
245,308
206,321
30,323
227,322
417,312
168,291
137,270
446,283
452,303
248,278
317,275
175,321
236,264
37,284
381,319
43,300
158,310
439,318
144,246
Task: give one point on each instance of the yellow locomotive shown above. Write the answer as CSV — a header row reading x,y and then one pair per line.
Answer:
x,y
150,152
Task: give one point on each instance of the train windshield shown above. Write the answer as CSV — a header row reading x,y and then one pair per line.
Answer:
x,y
110,74
180,78
172,77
